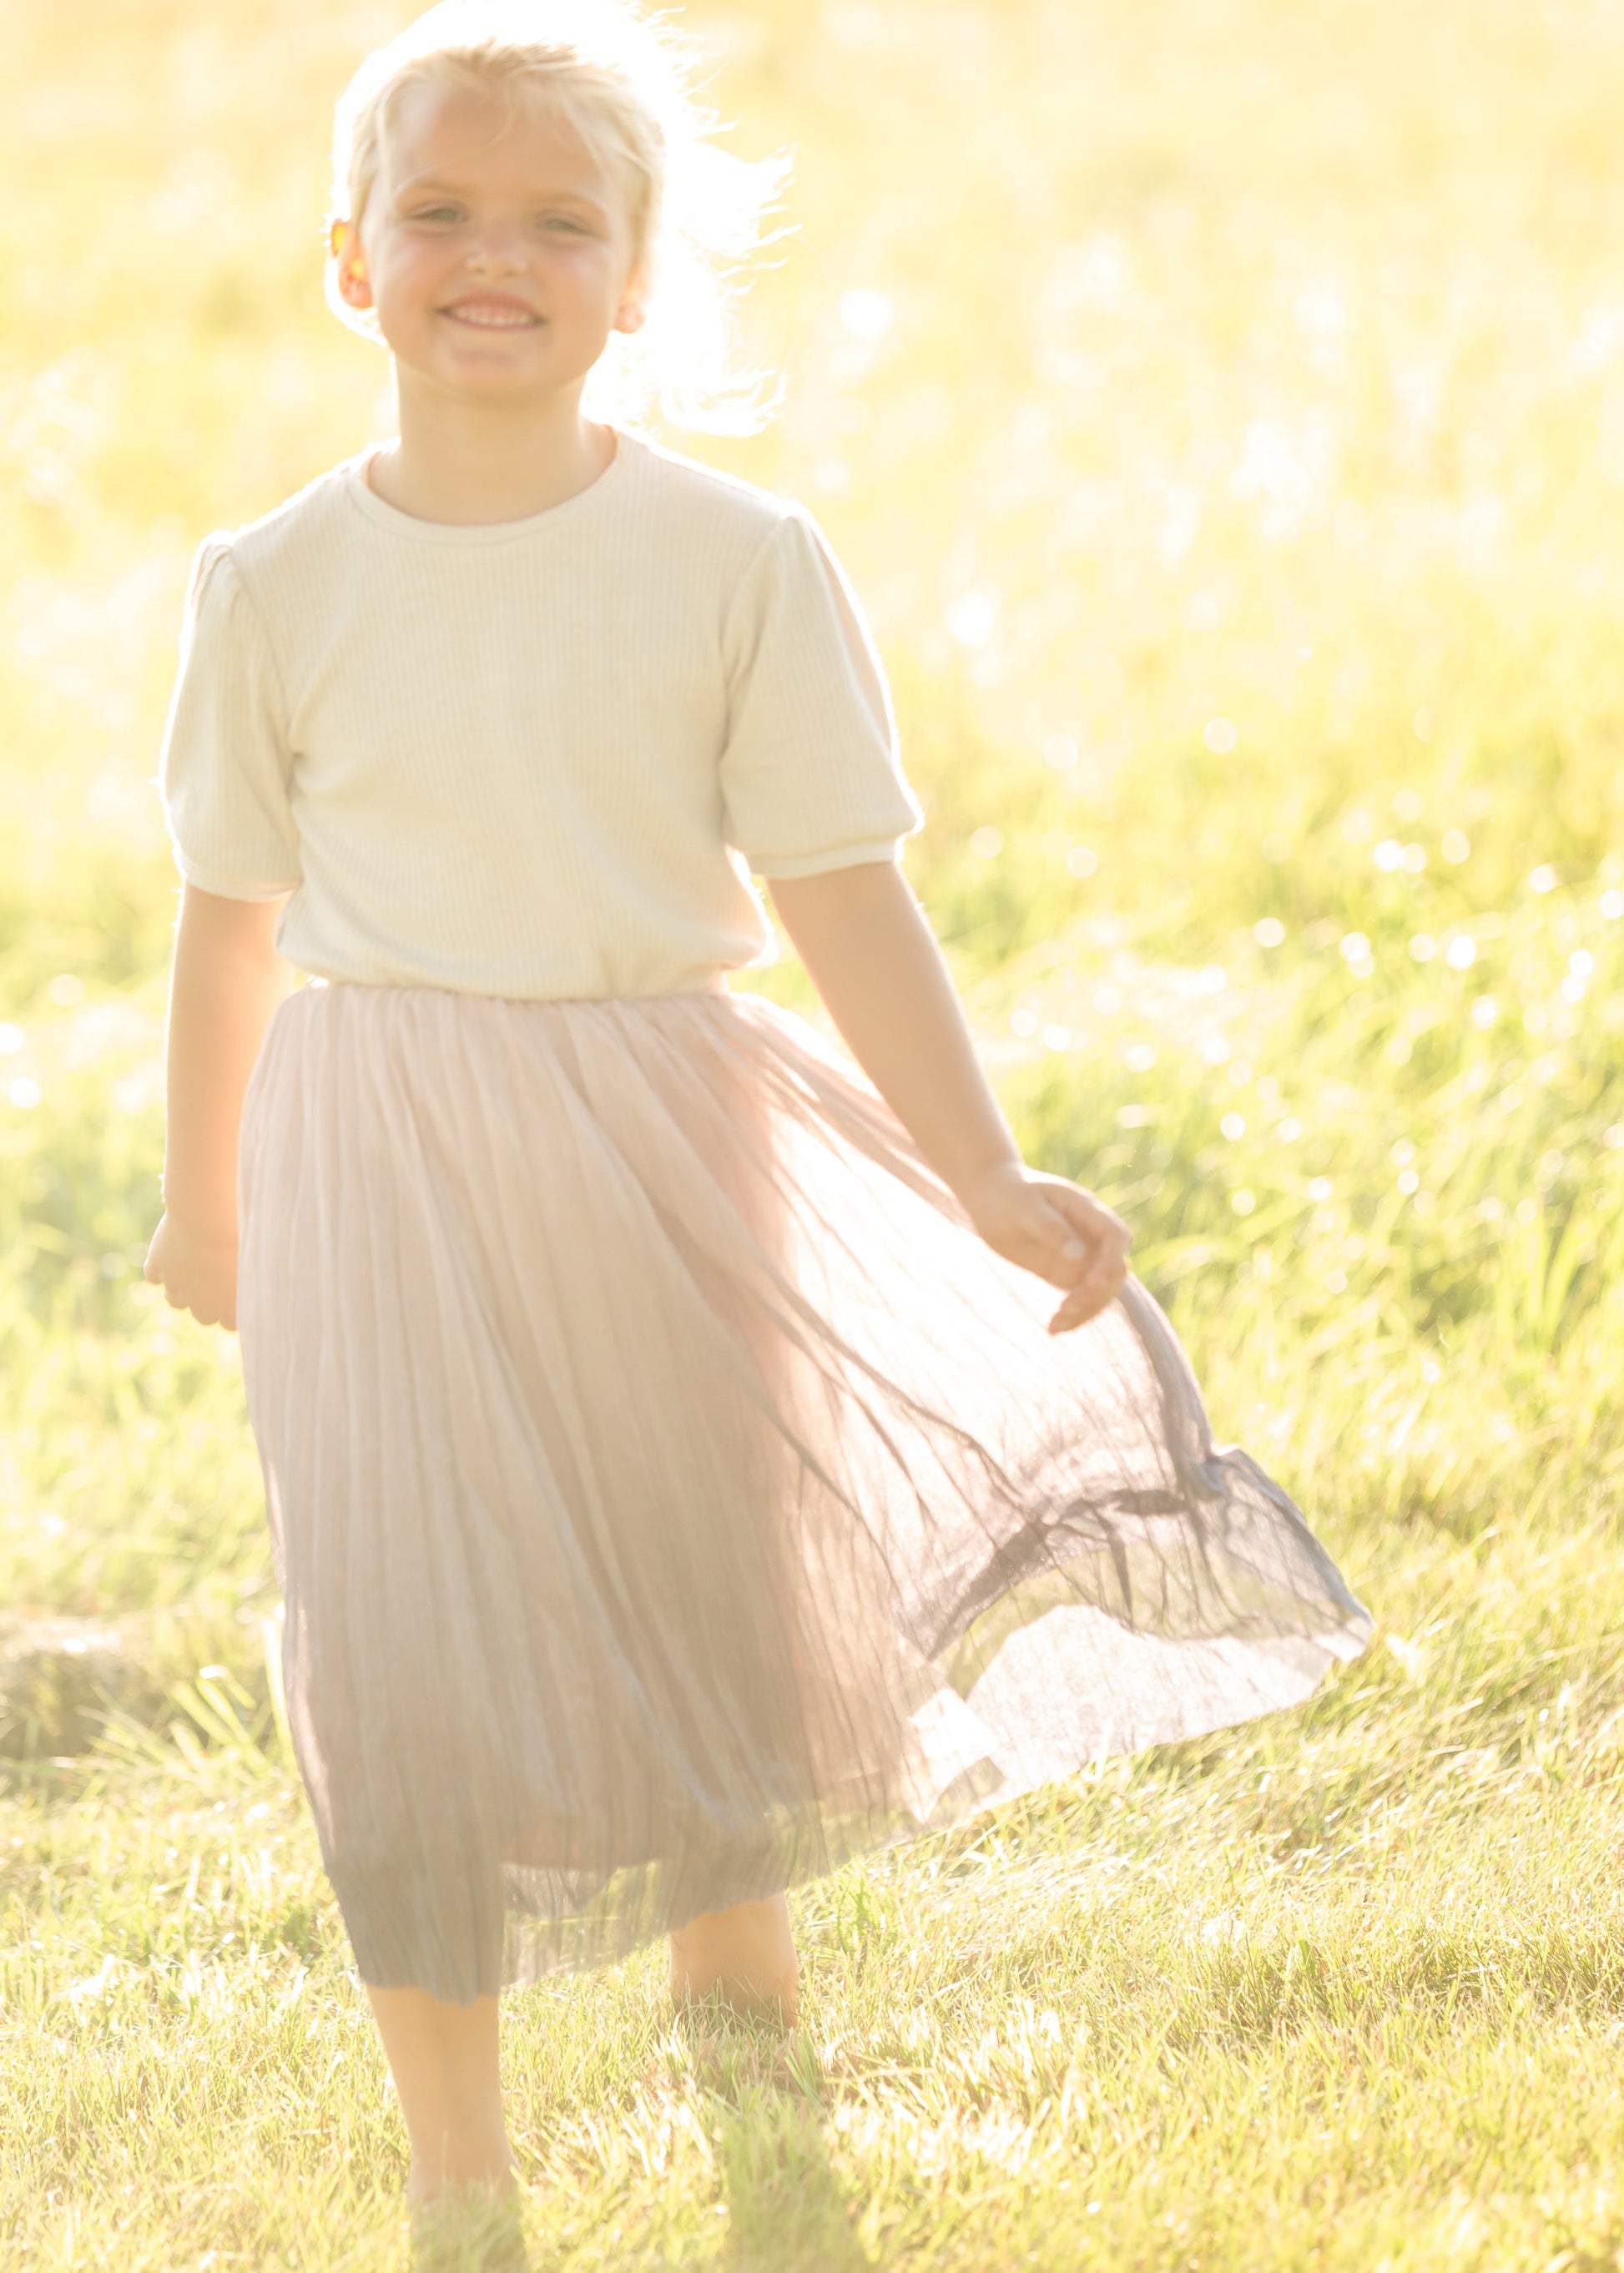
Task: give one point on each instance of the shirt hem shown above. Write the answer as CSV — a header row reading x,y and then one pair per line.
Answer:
x,y
232,887
881,851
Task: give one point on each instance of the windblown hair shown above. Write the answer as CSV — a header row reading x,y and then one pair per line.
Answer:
x,y
621,80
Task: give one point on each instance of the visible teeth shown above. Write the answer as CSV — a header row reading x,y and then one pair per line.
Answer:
x,y
492,318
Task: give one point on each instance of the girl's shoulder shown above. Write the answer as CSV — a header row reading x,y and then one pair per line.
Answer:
x,y
243,576
312,522
695,501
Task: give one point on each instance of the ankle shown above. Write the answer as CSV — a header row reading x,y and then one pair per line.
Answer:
x,y
472,2165
757,1985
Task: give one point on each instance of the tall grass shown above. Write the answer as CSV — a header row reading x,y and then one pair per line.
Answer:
x,y
1221,409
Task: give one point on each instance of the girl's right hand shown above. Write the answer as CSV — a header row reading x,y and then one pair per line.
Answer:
x,y
196,1273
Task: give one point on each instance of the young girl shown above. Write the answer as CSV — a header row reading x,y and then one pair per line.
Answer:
x,y
681,1471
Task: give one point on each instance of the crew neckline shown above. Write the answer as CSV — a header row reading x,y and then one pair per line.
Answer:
x,y
483,532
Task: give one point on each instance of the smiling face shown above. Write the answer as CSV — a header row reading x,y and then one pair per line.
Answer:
x,y
497,246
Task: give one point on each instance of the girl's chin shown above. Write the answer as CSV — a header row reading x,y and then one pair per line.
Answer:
x,y
464,364
497,377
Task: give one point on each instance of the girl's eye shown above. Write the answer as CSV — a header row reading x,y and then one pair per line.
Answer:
x,y
566,222
437,212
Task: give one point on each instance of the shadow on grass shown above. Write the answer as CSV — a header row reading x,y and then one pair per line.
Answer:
x,y
470,2234
788,2209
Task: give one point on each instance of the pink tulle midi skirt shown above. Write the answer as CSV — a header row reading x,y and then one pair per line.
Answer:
x,y
673,1496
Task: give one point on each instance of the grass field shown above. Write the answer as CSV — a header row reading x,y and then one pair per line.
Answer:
x,y
1221,406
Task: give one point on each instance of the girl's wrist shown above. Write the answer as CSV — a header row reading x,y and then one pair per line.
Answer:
x,y
964,1182
199,1230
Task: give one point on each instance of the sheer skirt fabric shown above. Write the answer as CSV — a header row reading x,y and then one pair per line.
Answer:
x,y
672,1496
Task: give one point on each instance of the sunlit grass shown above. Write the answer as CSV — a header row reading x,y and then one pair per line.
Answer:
x,y
1222,410
1326,1982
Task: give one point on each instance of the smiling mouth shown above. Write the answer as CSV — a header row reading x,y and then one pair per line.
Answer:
x,y
485,318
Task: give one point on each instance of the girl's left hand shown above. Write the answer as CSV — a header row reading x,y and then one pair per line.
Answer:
x,y
1055,1228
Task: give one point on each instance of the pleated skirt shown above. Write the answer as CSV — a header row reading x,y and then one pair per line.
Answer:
x,y
673,1496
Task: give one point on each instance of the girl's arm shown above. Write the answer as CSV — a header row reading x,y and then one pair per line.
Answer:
x,y
874,960
227,978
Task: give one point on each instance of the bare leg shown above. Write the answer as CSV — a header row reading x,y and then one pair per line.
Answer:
x,y
443,2057
746,1953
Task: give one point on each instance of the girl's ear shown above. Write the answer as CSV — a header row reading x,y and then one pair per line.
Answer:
x,y
633,313
350,265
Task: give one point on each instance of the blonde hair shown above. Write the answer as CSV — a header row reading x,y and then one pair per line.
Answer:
x,y
622,81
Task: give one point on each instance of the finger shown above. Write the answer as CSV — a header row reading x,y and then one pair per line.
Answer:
x,y
1086,1208
1086,1302
1113,1242
1111,1269
1044,1244
1081,1304
1089,1222
1072,1242
1087,1251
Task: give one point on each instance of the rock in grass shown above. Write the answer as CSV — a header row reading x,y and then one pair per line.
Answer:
x,y
59,1677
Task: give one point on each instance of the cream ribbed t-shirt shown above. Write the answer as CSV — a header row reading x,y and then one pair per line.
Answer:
x,y
536,758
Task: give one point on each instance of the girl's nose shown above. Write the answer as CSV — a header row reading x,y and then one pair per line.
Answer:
x,y
496,251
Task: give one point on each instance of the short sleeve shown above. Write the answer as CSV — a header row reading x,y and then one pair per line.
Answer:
x,y
810,775
225,768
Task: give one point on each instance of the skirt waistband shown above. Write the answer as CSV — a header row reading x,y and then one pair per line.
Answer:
x,y
715,984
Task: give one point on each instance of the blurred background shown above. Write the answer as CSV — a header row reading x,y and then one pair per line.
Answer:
x,y
1220,406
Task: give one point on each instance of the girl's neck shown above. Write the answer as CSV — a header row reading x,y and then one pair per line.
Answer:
x,y
468,463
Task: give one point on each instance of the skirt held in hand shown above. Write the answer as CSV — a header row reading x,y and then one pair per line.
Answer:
x,y
673,1496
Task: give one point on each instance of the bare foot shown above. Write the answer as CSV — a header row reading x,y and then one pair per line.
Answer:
x,y
467,2226
744,1956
